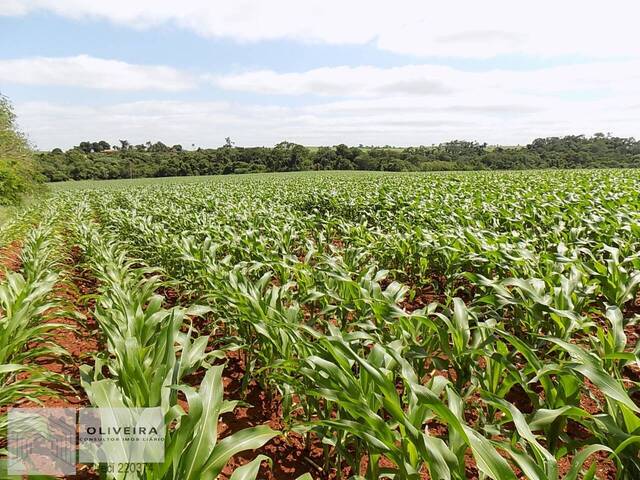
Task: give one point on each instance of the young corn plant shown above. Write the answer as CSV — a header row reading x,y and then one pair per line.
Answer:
x,y
142,336
149,357
192,448
617,278
618,426
534,460
28,310
373,395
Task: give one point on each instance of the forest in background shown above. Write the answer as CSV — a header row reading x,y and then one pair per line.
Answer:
x,y
100,160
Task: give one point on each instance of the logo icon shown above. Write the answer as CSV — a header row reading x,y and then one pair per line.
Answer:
x,y
41,441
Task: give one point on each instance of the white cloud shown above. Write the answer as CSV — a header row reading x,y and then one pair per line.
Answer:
x,y
90,72
462,28
378,121
409,105
425,104
362,81
14,7
619,78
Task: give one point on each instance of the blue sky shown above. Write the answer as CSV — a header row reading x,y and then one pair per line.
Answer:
x,y
194,72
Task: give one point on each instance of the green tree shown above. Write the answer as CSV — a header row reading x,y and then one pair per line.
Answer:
x,y
17,172
85,147
325,158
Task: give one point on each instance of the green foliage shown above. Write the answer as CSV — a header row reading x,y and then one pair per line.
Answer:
x,y
93,160
148,357
526,281
18,176
462,325
28,314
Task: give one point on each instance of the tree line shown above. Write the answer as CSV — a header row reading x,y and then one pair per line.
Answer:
x,y
100,160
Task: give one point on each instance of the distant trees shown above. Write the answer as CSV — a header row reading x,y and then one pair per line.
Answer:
x,y
89,160
88,147
158,147
289,157
461,148
103,146
324,158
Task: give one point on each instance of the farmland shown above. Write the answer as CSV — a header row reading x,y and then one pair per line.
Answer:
x,y
414,325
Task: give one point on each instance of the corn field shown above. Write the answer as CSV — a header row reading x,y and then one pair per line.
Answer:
x,y
405,326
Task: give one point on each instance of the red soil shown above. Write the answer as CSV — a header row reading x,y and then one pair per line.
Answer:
x,y
290,457
422,297
10,258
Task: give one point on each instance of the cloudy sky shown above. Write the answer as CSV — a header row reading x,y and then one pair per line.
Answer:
x,y
320,72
